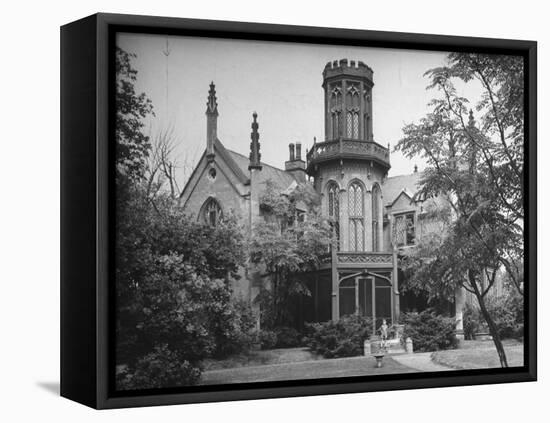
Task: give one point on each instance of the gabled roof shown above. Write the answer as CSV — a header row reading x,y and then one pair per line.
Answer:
x,y
228,156
279,177
225,157
394,186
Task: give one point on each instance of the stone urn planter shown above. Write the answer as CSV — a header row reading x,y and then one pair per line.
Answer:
x,y
378,349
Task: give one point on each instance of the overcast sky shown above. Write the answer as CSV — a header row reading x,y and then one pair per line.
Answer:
x,y
281,82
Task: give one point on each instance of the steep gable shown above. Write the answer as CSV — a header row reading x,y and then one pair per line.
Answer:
x,y
223,162
393,187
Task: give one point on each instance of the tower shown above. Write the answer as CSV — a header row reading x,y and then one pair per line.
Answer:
x,y
348,100
349,167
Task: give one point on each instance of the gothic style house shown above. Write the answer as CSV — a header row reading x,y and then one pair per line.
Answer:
x,y
373,215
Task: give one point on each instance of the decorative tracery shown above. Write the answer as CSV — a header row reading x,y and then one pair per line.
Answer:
x,y
336,111
376,199
352,113
356,217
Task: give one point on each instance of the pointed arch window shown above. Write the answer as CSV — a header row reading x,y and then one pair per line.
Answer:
x,y
336,110
352,114
334,210
376,200
356,213
211,212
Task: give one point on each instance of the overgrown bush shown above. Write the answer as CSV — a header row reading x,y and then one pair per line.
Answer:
x,y
287,337
233,328
161,368
429,331
507,313
343,338
472,321
268,339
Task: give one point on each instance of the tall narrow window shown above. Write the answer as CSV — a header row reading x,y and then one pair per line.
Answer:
x,y
211,212
334,211
376,199
336,109
336,124
352,113
356,217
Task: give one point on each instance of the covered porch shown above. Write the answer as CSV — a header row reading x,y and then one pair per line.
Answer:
x,y
364,283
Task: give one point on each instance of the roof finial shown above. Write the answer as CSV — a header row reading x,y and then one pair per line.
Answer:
x,y
415,168
255,155
471,119
212,104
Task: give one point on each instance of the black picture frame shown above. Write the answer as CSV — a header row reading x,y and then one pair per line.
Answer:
x,y
87,75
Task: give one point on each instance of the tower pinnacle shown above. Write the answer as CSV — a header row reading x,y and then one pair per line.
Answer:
x,y
211,121
255,155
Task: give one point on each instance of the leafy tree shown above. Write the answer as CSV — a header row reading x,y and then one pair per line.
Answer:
x,y
172,287
173,302
289,243
132,146
478,173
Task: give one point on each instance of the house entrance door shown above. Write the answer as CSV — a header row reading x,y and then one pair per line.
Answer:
x,y
367,296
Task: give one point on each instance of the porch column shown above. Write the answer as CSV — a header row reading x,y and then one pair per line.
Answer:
x,y
460,301
335,286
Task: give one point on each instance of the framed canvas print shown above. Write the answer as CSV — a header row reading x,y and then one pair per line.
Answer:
x,y
254,211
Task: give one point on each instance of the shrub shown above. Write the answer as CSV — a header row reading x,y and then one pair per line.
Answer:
x,y
287,337
507,313
268,339
430,331
162,368
343,338
234,328
472,321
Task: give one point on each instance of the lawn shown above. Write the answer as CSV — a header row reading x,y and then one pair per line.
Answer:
x,y
313,369
479,355
262,357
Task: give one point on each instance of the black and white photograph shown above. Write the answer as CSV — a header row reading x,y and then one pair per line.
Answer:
x,y
290,211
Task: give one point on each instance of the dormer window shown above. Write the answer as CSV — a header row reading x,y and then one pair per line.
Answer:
x,y
404,229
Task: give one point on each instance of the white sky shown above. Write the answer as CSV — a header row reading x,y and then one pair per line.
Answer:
x,y
281,82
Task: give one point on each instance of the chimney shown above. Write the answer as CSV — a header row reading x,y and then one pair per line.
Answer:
x,y
298,151
291,152
211,121
295,165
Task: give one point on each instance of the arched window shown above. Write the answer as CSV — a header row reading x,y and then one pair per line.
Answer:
x,y
352,114
211,212
334,210
376,200
336,110
356,212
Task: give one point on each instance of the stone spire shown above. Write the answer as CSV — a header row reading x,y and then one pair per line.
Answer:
x,y
211,121
255,155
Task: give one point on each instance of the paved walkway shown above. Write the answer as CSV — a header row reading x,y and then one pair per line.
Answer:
x,y
421,362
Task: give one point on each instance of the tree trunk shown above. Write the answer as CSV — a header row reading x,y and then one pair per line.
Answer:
x,y
493,331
